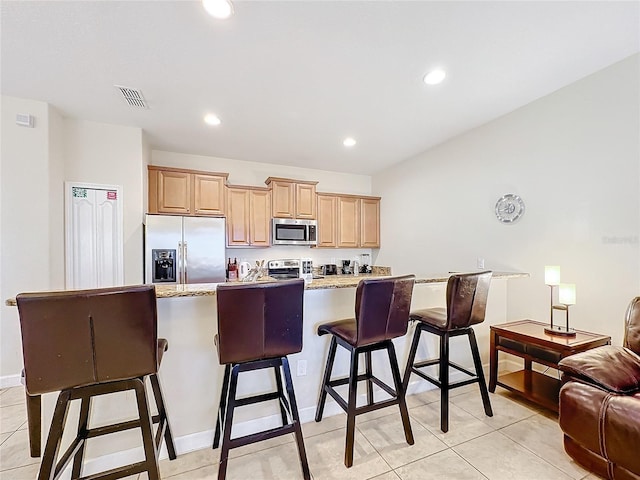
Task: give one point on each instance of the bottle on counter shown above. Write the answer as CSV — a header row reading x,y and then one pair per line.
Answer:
x,y
233,271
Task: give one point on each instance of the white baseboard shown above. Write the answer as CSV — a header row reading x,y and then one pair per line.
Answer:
x,y
8,381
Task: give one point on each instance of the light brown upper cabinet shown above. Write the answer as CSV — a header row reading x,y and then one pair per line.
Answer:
x,y
186,192
292,198
370,222
348,221
248,216
327,220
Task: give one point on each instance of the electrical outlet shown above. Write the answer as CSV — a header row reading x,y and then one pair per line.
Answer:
x,y
480,262
301,368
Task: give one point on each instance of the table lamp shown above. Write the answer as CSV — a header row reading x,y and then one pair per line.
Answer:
x,y
552,278
566,297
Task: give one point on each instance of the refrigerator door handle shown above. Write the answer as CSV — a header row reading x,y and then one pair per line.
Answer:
x,y
180,262
185,262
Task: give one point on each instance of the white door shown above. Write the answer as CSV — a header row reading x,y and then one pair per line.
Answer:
x,y
94,244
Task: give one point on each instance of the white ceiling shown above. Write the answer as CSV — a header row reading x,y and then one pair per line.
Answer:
x,y
290,80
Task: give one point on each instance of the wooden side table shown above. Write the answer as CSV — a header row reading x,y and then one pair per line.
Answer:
x,y
527,339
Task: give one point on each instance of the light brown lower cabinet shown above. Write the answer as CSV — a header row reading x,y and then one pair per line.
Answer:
x,y
248,216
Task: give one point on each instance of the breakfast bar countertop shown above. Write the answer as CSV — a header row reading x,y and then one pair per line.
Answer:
x,y
328,282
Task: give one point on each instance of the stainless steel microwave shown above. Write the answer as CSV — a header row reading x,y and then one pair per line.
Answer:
x,y
288,231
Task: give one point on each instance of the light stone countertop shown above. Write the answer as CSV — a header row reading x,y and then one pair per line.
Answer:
x,y
328,282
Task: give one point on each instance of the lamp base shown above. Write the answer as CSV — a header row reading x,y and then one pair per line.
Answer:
x,y
560,331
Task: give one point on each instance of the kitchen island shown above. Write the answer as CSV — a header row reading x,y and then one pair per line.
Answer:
x,y
192,376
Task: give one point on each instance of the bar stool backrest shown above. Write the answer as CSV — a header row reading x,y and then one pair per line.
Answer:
x,y
467,299
260,320
632,326
82,337
382,308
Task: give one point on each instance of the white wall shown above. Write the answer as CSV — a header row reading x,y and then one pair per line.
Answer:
x,y
573,156
253,173
111,155
35,163
24,216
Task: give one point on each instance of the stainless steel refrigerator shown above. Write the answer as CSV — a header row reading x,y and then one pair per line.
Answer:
x,y
184,249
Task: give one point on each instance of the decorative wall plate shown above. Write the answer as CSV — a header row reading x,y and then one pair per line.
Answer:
x,y
509,208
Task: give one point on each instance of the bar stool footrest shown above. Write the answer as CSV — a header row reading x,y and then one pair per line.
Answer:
x,y
119,472
258,437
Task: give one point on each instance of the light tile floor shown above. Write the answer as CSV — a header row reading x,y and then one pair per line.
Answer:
x,y
519,442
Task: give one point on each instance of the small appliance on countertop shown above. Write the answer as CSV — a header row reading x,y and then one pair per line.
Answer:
x,y
346,267
329,269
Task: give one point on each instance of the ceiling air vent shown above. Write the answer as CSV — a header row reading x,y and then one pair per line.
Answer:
x,y
132,96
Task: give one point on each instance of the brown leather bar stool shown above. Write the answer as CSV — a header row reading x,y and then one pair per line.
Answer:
x,y
258,326
466,305
87,343
382,313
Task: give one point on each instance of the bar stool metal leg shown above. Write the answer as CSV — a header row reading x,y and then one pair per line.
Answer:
x,y
226,437
402,403
162,413
146,425
47,468
369,372
223,406
351,408
296,419
481,380
34,421
412,356
282,399
326,378
83,426
444,382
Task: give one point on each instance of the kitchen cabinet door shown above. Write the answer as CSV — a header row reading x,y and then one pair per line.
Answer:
x,y
348,222
327,220
238,208
208,194
173,192
260,218
305,201
283,199
370,222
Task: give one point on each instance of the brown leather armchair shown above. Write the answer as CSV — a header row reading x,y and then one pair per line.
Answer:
x,y
600,404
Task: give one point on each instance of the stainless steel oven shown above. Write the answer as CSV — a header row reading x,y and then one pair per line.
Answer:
x,y
284,269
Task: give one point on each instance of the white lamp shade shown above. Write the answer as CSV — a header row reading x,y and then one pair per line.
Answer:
x,y
567,293
552,275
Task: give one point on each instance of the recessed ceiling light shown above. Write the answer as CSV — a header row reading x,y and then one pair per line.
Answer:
x,y
218,8
349,142
211,119
434,77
